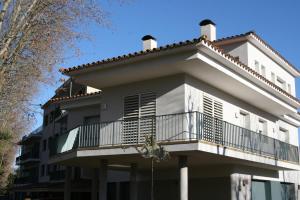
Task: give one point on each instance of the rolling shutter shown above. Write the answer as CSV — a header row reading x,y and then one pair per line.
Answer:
x,y
131,115
212,119
139,113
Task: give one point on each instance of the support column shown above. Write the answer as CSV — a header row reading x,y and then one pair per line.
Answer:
x,y
118,190
240,186
133,182
183,177
94,184
67,189
103,180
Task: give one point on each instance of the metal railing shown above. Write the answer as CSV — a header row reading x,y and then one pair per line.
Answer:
x,y
57,175
183,127
34,154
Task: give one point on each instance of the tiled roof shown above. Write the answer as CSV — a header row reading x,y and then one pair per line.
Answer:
x,y
74,97
186,43
252,33
130,55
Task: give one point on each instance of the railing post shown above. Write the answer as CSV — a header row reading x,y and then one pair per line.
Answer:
x,y
138,131
113,134
275,152
152,127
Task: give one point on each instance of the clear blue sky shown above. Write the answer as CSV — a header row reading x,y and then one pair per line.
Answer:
x,y
276,21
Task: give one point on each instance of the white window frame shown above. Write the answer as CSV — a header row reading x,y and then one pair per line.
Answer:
x,y
247,119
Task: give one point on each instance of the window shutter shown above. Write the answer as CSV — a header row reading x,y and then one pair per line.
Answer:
x,y
212,119
148,105
218,123
147,114
139,113
131,115
131,107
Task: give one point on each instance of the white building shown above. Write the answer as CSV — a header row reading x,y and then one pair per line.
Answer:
x,y
225,109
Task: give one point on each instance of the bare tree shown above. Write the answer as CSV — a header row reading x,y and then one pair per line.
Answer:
x,y
33,35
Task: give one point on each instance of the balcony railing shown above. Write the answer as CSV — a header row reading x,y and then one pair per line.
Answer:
x,y
184,127
34,155
26,179
57,175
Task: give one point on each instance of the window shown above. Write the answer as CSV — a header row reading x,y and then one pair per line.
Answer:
x,y
281,83
44,145
283,135
289,88
244,120
47,170
45,120
263,71
141,106
52,116
63,124
212,119
262,126
42,170
256,65
272,77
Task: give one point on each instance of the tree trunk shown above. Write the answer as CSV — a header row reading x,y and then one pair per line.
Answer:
x,y
152,179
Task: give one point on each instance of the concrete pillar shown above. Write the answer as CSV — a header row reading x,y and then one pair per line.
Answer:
x,y
240,186
133,182
183,177
67,189
118,190
103,180
94,184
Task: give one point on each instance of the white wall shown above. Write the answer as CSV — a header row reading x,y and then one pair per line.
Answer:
x,y
248,54
194,90
169,93
270,65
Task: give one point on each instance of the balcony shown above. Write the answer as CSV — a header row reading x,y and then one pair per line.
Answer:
x,y
57,175
173,129
29,179
31,156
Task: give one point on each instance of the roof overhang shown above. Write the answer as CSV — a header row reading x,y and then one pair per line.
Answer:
x,y
232,65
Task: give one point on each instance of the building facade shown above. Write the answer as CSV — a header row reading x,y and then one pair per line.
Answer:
x,y
224,109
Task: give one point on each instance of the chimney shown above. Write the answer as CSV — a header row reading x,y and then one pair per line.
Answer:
x,y
208,28
149,42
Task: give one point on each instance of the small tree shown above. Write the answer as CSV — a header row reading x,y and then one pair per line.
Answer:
x,y
151,150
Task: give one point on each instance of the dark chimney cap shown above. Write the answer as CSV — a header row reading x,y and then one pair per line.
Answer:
x,y
206,22
148,37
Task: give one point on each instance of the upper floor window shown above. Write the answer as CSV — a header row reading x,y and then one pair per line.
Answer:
x,y
244,120
262,126
44,145
141,106
289,90
256,65
45,120
281,83
42,170
213,114
52,116
283,135
272,77
263,71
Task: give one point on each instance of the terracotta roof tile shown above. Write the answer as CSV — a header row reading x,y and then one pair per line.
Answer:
x,y
74,97
249,69
130,55
185,43
252,33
